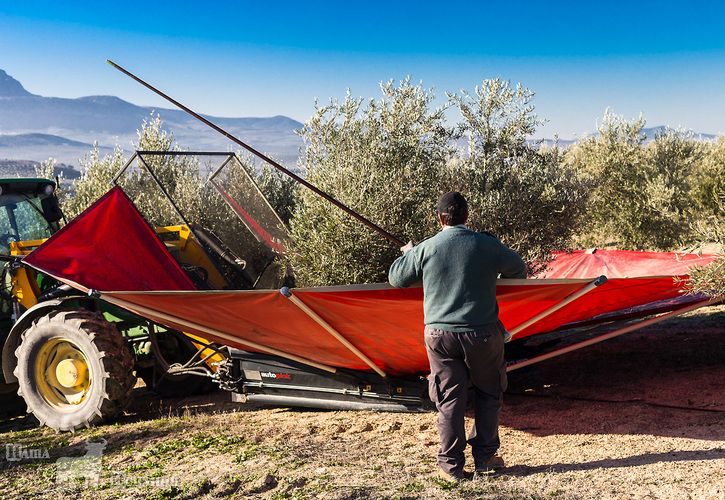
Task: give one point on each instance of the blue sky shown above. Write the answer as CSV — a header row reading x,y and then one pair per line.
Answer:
x,y
663,59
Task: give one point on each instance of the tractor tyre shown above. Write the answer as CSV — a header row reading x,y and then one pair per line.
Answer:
x,y
175,348
74,370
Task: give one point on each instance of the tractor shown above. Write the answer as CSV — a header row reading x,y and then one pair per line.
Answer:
x,y
74,360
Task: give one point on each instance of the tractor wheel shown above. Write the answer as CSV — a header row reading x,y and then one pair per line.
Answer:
x,y
74,370
175,347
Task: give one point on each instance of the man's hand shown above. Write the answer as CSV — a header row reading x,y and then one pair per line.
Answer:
x,y
407,247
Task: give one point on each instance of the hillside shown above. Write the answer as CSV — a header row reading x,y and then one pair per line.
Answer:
x,y
26,168
36,128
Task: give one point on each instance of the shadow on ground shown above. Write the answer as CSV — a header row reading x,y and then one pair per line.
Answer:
x,y
667,380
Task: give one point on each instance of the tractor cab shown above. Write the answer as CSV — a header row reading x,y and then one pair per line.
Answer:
x,y
28,211
29,214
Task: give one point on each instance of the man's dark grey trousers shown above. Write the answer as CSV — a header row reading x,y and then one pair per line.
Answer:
x,y
459,360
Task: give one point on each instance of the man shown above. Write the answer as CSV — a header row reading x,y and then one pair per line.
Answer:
x,y
464,337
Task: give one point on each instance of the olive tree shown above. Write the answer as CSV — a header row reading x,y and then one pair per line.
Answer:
x,y
381,159
613,161
391,160
642,195
521,194
710,279
709,189
710,226
498,119
671,160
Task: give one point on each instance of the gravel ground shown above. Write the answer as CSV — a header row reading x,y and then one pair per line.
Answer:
x,y
639,416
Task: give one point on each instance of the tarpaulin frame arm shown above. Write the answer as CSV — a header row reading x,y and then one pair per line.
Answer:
x,y
258,233
236,209
249,178
140,156
329,328
139,309
568,300
617,333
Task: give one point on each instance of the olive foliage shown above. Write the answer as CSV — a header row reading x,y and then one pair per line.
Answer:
x,y
523,195
641,198
710,279
709,183
391,160
382,160
710,226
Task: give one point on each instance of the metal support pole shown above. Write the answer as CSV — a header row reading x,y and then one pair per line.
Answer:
x,y
616,333
324,324
568,300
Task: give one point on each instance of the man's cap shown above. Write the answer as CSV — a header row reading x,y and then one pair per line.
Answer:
x,y
452,203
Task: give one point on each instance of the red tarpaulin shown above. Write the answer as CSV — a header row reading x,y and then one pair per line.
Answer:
x,y
385,323
621,264
111,248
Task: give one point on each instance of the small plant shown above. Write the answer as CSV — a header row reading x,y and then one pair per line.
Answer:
x,y
247,454
411,487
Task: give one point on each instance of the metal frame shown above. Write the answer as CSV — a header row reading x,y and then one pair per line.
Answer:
x,y
140,156
616,333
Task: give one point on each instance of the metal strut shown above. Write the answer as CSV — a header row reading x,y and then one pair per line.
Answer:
x,y
324,324
571,298
617,333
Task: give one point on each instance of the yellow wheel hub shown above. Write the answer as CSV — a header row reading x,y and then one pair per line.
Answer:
x,y
71,372
63,374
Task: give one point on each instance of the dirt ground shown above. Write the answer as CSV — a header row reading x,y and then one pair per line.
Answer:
x,y
638,416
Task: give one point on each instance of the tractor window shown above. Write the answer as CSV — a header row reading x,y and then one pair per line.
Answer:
x,y
21,219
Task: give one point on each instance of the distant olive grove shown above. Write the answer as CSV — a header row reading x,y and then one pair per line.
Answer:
x,y
388,158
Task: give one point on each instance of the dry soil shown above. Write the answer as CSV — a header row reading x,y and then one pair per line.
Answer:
x,y
639,416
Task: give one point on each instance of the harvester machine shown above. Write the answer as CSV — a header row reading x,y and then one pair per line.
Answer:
x,y
73,359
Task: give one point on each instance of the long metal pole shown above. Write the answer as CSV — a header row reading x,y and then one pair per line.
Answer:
x,y
263,157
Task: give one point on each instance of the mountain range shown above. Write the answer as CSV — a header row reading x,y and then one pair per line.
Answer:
x,y
35,128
